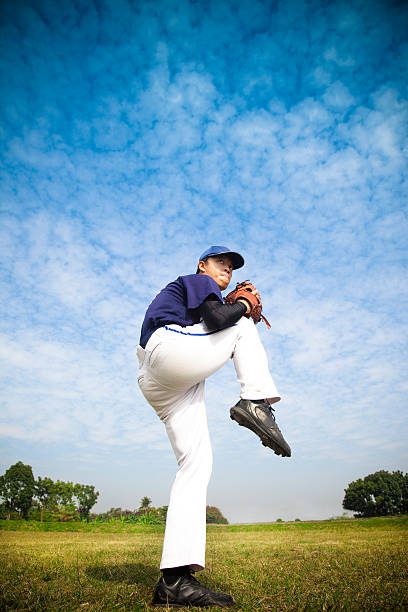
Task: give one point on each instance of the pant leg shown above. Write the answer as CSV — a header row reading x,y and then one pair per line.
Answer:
x,y
251,364
185,535
184,416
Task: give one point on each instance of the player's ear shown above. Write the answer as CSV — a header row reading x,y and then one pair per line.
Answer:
x,y
201,266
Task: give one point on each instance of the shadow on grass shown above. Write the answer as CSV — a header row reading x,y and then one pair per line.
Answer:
x,y
128,573
138,573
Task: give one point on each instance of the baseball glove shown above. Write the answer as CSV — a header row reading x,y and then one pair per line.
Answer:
x,y
244,290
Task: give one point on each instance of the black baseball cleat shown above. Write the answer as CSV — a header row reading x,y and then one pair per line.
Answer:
x,y
259,418
187,591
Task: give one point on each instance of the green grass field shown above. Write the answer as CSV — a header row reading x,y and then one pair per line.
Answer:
x,y
328,565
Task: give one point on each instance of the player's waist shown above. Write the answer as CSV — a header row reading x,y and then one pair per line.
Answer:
x,y
197,329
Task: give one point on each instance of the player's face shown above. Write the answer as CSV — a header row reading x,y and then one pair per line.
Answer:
x,y
219,267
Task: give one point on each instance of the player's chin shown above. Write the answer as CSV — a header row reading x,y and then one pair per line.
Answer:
x,y
223,284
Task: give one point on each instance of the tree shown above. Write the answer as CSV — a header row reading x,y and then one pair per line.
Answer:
x,y
86,496
214,515
379,494
17,488
64,492
45,492
145,502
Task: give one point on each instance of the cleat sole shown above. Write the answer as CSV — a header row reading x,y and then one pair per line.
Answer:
x,y
243,421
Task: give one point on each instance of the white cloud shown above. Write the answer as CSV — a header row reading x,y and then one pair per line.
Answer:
x,y
338,97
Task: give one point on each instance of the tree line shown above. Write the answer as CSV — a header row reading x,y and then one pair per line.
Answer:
x,y
380,494
23,495
43,499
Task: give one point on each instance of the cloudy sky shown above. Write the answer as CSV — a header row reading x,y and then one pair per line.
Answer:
x,y
134,134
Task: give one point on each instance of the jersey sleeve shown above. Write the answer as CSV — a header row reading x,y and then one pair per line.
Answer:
x,y
198,288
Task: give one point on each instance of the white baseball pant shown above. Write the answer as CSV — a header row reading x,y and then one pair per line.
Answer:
x,y
172,373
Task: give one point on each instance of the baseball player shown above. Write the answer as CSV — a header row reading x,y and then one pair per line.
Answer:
x,y
188,333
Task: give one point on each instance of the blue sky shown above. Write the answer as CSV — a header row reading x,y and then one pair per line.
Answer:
x,y
136,134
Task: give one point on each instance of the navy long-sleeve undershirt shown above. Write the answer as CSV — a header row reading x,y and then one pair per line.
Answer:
x,y
220,316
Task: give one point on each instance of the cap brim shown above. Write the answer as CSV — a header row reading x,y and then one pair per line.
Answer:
x,y
236,258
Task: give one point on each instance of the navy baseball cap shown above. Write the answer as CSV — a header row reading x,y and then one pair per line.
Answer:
x,y
236,258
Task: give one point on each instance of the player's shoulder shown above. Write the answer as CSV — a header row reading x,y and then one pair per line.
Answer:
x,y
181,281
197,280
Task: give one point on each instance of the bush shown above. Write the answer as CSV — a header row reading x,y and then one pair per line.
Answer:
x,y
214,515
145,515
